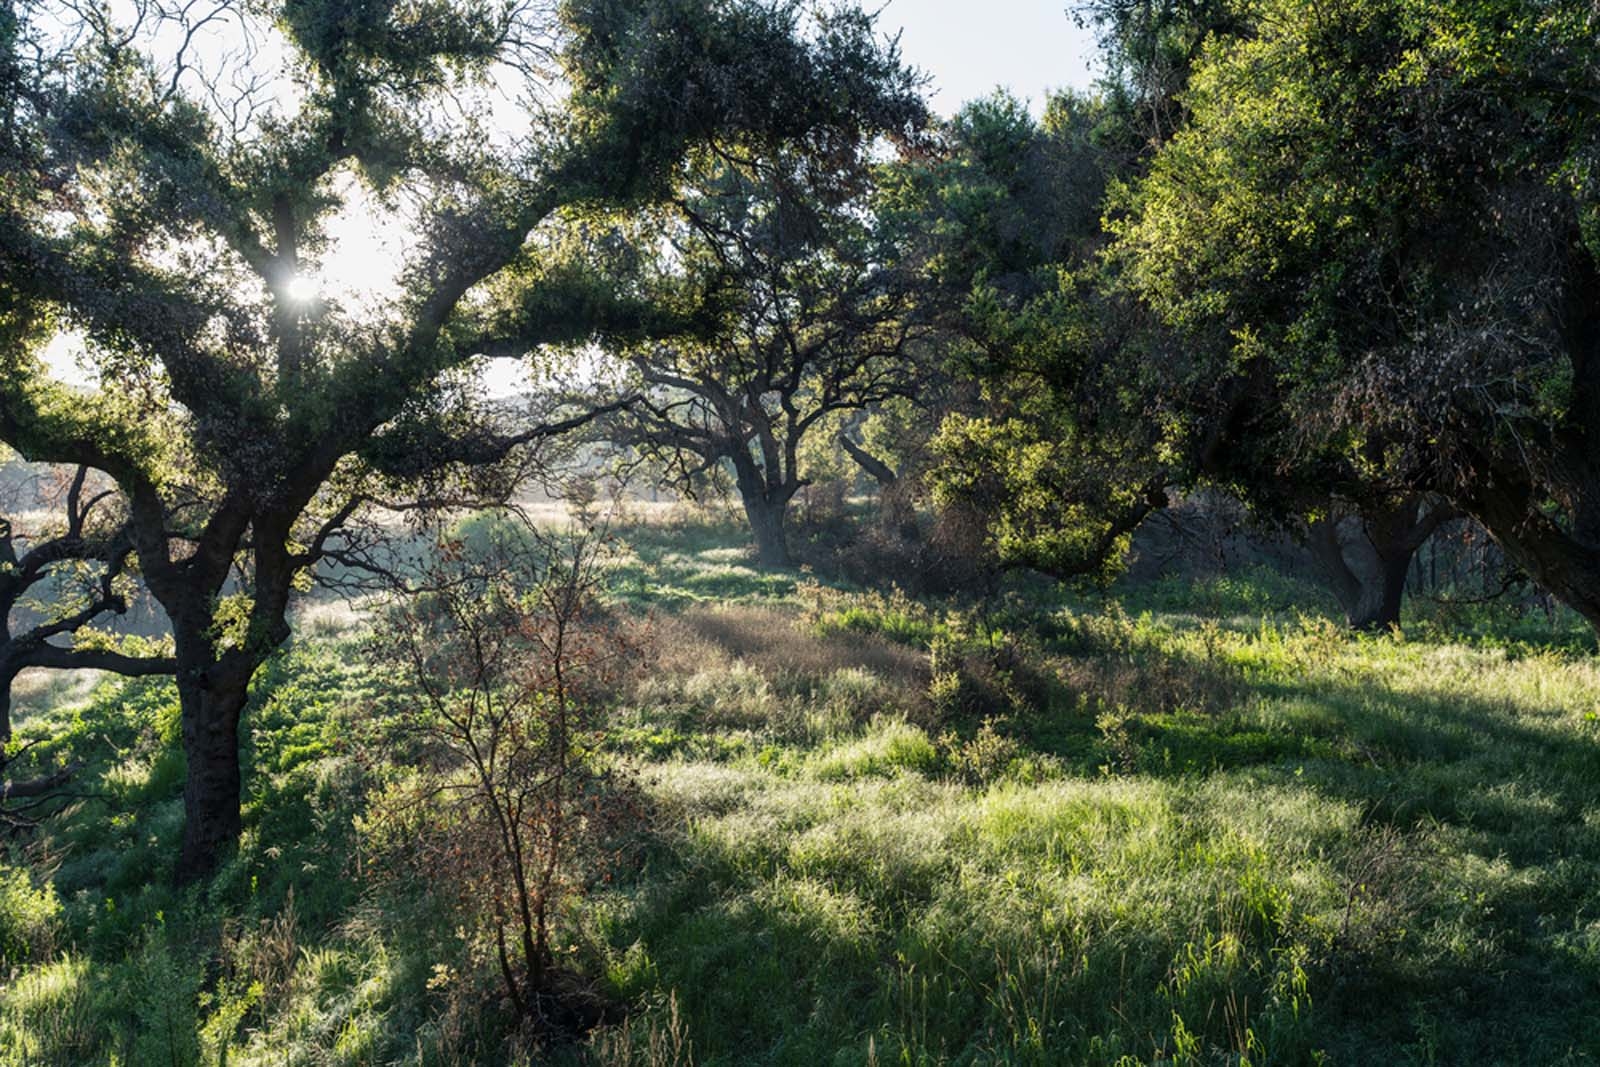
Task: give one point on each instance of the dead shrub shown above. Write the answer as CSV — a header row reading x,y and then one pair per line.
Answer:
x,y
512,658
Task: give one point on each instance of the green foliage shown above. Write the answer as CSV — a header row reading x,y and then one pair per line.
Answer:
x,y
808,314
176,233
1035,492
1364,233
29,918
894,615
1066,451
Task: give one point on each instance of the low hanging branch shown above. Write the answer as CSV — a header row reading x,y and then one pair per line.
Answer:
x,y
880,471
81,570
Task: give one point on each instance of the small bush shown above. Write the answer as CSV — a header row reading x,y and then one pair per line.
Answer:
x,y
986,757
513,659
29,918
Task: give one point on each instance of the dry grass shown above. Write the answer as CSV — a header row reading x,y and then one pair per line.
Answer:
x,y
37,689
769,640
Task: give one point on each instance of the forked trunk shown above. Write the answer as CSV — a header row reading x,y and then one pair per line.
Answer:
x,y
767,508
1372,591
1384,596
1391,589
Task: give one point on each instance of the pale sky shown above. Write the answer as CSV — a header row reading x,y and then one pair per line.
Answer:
x,y
972,46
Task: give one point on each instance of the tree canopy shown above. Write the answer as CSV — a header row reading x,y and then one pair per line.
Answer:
x,y
1379,221
810,311
173,212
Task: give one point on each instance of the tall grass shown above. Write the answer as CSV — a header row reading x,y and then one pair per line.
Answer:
x,y
1174,826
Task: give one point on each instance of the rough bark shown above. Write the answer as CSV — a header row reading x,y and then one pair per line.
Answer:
x,y
769,525
270,439
32,570
766,505
1327,548
1392,571
211,711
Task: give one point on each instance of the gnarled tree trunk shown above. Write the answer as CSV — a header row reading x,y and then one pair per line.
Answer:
x,y
767,508
1563,563
1368,571
769,525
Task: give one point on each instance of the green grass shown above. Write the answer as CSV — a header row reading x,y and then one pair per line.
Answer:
x,y
1204,828
684,562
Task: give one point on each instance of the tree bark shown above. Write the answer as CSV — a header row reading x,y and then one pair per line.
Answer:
x,y
37,787
767,508
768,523
1384,612
1563,564
8,677
212,706
896,507
1322,538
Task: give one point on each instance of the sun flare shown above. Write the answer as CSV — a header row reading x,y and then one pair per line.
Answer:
x,y
301,289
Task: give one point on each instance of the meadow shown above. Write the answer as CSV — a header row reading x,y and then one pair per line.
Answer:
x,y
1188,822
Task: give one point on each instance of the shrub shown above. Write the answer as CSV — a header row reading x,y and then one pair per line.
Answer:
x,y
29,918
510,655
986,757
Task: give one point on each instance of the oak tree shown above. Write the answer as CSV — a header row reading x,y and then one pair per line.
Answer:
x,y
174,206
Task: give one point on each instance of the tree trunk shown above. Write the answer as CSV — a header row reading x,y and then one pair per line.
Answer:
x,y
767,508
1562,564
1373,593
212,704
8,677
880,471
37,787
1385,595
1322,538
768,522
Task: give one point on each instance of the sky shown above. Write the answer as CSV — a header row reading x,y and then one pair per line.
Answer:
x,y
971,46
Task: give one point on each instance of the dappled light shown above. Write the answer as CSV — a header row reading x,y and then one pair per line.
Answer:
x,y
648,533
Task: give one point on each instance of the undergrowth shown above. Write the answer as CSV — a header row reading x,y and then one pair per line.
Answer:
x,y
1133,827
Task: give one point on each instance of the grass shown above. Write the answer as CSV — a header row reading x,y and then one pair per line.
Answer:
x,y
1155,826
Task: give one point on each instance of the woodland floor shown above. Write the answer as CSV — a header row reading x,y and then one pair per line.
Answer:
x,y
1192,822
